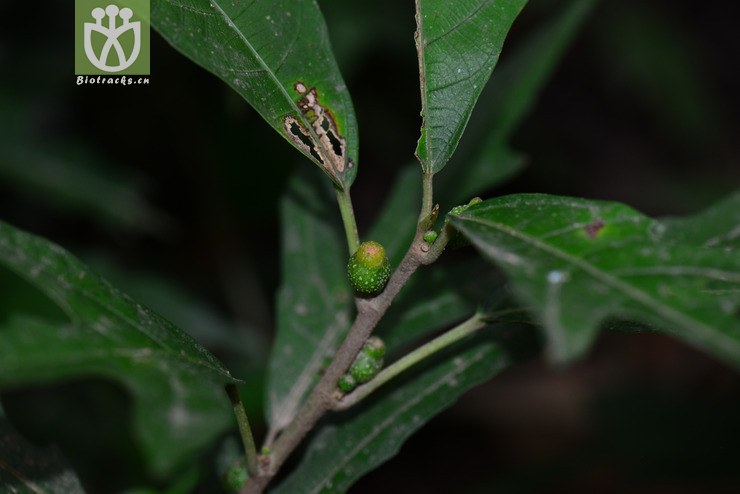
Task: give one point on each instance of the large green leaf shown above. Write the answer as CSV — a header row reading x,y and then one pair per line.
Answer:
x,y
177,386
458,44
507,101
358,441
314,300
275,54
27,469
578,262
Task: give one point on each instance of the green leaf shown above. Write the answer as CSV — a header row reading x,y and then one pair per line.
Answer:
x,y
179,403
717,227
201,320
361,440
579,262
277,56
458,44
314,300
26,469
509,98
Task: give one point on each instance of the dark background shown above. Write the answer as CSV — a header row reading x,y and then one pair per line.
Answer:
x,y
644,109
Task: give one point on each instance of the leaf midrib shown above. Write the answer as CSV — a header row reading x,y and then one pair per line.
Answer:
x,y
44,274
231,24
630,291
132,355
421,49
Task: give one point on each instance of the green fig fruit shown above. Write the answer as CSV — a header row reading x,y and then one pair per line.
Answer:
x,y
369,268
347,383
235,476
365,367
374,347
430,236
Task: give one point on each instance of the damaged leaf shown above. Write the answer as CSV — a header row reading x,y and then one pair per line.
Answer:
x,y
277,56
322,140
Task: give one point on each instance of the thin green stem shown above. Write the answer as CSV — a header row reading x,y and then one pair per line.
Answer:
x,y
245,431
348,218
409,360
325,394
427,195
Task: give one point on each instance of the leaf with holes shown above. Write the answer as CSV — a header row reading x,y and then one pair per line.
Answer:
x,y
177,386
277,56
578,262
314,300
361,440
458,45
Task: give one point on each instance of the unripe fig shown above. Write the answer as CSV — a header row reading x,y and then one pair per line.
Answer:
x,y
374,347
369,268
430,236
365,367
347,383
235,476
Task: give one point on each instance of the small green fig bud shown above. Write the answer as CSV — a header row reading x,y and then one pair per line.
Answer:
x,y
374,347
365,367
235,476
369,268
430,236
347,383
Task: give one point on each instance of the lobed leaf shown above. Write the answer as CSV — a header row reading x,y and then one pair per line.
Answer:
x,y
179,403
314,300
277,56
578,262
458,45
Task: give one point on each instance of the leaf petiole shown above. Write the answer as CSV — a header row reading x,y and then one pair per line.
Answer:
x,y
245,430
348,218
